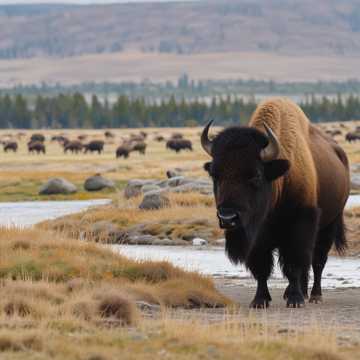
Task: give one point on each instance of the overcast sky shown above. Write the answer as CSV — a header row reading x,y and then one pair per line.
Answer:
x,y
77,1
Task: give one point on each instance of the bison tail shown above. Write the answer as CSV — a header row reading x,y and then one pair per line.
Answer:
x,y
340,236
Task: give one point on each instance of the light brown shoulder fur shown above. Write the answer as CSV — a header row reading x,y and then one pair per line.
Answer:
x,y
291,126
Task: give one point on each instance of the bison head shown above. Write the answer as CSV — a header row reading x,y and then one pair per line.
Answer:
x,y
244,165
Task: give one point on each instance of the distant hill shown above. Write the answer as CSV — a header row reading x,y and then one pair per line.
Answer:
x,y
299,27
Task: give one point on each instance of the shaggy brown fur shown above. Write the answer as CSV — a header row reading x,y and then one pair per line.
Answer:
x,y
317,162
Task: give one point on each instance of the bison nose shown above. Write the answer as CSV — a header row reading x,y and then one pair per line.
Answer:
x,y
228,218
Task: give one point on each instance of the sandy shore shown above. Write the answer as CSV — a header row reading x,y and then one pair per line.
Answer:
x,y
340,310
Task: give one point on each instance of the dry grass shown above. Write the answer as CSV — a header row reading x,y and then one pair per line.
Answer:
x,y
41,256
67,299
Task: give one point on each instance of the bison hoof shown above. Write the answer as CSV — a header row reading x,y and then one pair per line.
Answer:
x,y
295,301
316,299
260,303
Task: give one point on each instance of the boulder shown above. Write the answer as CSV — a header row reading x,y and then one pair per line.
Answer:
x,y
150,187
141,240
97,183
199,242
133,187
57,186
154,200
173,173
200,187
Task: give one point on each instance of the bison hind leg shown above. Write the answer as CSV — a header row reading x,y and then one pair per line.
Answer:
x,y
332,234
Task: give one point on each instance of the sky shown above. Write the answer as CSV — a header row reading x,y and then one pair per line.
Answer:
x,y
7,2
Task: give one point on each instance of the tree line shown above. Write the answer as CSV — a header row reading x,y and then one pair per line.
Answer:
x,y
185,87
73,111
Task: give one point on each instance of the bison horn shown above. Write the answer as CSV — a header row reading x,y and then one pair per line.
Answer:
x,y
205,142
272,150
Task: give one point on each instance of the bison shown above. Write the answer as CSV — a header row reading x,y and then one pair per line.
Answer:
x,y
95,145
10,146
159,138
281,184
36,146
109,135
177,136
352,136
123,150
74,146
178,145
140,147
37,138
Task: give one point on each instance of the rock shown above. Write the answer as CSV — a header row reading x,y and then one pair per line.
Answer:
x,y
199,242
133,188
177,181
105,231
173,173
57,186
141,240
154,200
169,242
147,188
205,189
97,183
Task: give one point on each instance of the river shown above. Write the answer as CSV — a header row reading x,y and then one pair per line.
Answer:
x,y
339,272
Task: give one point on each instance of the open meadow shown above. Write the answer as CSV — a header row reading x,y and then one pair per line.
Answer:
x,y
68,298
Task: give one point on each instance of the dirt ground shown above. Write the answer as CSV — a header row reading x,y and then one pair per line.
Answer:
x,y
340,310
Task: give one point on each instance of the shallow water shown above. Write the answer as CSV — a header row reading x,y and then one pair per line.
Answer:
x,y
24,214
339,272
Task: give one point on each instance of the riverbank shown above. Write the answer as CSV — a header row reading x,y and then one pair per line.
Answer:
x,y
57,289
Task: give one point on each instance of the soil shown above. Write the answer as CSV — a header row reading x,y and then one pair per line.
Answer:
x,y
340,310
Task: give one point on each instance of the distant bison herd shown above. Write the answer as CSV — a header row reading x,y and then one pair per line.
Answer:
x,y
137,142
129,144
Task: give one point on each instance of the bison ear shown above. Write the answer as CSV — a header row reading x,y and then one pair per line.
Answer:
x,y
276,168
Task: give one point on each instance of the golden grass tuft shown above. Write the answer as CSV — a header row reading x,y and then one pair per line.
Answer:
x,y
119,307
77,266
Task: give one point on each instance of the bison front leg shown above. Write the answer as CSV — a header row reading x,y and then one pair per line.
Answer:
x,y
260,262
296,253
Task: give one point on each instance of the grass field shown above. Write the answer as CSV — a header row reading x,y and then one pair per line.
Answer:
x,y
69,299
66,299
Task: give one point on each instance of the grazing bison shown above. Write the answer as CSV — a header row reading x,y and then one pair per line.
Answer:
x,y
284,188
109,135
10,146
123,151
333,132
178,145
36,146
140,147
74,146
352,136
37,138
177,136
82,137
159,138
95,145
